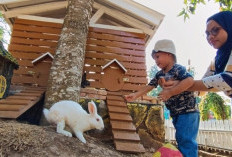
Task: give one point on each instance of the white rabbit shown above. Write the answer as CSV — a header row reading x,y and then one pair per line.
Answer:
x,y
70,113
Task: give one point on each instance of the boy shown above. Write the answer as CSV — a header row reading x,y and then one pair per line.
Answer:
x,y
181,103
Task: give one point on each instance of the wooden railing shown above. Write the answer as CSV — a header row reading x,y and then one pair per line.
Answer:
x,y
211,133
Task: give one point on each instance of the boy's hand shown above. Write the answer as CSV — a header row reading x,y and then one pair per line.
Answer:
x,y
130,97
161,81
164,95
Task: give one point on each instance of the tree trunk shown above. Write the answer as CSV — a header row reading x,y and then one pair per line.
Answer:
x,y
64,82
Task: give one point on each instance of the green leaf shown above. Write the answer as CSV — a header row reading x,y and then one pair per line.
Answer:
x,y
192,9
191,6
182,12
186,16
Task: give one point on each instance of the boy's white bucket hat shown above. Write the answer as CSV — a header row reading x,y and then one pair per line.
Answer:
x,y
164,45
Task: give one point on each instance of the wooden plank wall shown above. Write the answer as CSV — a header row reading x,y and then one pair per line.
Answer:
x,y
128,48
30,39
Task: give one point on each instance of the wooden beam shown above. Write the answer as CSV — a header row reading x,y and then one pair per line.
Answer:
x,y
125,18
151,35
142,12
40,8
39,18
116,28
45,19
97,15
12,1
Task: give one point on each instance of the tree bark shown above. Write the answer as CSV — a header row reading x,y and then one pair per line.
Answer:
x,y
64,81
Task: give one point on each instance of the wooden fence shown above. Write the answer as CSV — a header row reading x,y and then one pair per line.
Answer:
x,y
211,133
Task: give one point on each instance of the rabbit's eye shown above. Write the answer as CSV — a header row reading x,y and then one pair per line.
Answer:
x,y
97,119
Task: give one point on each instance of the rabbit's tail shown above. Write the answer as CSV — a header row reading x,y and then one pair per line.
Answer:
x,y
46,112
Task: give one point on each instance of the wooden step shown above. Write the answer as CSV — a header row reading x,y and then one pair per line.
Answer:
x,y
15,105
124,132
7,107
119,125
14,102
120,117
115,103
28,94
32,91
116,109
22,97
36,88
125,135
117,98
129,147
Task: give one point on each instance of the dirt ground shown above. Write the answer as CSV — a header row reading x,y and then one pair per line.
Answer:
x,y
19,139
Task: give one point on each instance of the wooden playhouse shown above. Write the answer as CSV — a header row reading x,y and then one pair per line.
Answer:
x,y
115,55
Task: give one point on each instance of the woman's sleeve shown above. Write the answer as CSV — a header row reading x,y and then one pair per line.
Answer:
x,y
209,71
221,82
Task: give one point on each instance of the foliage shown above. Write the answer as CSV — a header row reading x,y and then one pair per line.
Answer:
x,y
191,5
214,103
1,29
228,111
152,73
4,30
1,33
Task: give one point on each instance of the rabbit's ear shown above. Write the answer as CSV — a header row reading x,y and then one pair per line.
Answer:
x,y
92,108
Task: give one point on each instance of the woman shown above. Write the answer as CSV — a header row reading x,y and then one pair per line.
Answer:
x,y
219,74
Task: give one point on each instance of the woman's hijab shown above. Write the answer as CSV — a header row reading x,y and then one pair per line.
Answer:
x,y
224,19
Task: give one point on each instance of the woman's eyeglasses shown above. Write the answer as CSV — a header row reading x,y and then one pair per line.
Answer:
x,y
214,31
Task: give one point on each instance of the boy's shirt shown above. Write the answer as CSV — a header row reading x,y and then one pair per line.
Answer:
x,y
182,103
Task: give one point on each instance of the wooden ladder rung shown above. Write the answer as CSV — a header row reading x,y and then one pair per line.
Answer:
x,y
113,93
125,135
115,103
119,125
131,147
113,97
118,109
120,117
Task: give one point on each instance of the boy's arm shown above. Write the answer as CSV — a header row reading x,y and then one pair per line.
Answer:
x,y
139,93
179,88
